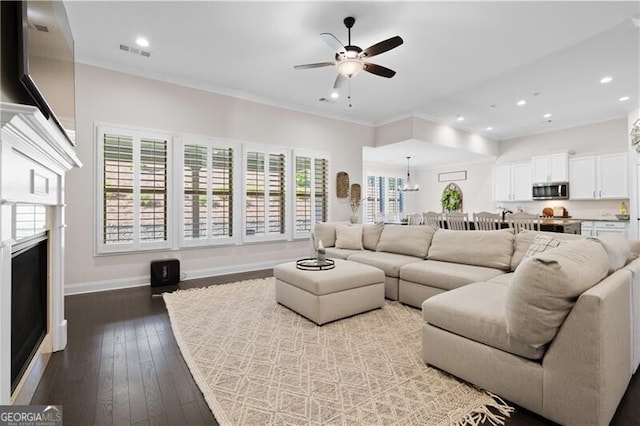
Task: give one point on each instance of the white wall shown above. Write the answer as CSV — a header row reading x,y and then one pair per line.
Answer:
x,y
603,137
476,189
607,136
104,96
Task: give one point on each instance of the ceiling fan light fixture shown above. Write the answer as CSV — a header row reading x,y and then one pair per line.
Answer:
x,y
408,186
350,67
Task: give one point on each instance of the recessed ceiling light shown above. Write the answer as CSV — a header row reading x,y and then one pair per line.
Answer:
x,y
142,42
623,99
521,102
547,115
605,80
460,118
489,128
335,95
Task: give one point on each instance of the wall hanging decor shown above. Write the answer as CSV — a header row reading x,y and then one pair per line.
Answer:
x,y
451,199
342,185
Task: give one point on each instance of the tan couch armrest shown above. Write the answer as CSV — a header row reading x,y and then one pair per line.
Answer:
x,y
587,367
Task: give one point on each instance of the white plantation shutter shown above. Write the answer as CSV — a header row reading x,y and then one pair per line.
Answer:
x,y
118,189
311,185
265,194
384,198
207,202
153,190
134,173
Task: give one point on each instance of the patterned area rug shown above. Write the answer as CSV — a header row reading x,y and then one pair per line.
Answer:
x,y
259,363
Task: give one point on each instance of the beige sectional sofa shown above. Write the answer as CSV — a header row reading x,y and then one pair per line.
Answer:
x,y
549,328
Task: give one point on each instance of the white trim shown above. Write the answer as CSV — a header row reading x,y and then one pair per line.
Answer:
x,y
267,151
136,135
141,281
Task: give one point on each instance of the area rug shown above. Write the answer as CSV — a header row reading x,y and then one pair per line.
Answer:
x,y
258,363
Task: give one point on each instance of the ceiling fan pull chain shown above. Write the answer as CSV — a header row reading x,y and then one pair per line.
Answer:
x,y
349,95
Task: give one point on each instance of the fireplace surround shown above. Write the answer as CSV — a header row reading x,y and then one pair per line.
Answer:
x,y
34,158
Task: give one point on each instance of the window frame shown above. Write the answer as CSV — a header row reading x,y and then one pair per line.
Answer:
x,y
211,143
136,245
267,150
313,156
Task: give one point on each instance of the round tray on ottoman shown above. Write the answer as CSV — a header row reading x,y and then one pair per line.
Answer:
x,y
326,295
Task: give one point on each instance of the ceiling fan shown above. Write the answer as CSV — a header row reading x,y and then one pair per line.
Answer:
x,y
350,59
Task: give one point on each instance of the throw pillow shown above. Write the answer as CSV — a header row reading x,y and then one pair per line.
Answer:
x,y
409,240
617,248
326,232
371,235
546,286
349,237
542,243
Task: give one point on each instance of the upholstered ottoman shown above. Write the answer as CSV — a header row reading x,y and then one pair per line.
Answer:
x,y
323,296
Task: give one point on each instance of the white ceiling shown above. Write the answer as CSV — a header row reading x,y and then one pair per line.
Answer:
x,y
458,58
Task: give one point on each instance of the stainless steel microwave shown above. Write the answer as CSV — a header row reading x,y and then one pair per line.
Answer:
x,y
550,191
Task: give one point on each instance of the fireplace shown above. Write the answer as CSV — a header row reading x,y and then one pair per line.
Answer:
x,y
28,302
34,159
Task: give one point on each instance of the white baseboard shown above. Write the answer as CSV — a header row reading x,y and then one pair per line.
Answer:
x,y
140,281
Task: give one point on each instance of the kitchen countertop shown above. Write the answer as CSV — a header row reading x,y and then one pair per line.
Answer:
x,y
601,219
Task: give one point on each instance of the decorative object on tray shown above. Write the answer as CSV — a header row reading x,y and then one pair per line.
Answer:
x,y
451,199
313,264
342,185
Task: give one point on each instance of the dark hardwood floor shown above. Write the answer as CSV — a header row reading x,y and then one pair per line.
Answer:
x,y
122,365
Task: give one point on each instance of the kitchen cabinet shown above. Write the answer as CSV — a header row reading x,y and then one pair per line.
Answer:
x,y
550,168
599,177
600,228
512,182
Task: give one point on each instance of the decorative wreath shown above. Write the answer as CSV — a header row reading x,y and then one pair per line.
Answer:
x,y
451,199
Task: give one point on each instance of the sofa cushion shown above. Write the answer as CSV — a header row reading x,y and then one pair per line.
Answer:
x,y
546,286
338,253
409,240
390,263
349,237
617,248
446,275
477,312
504,279
371,235
326,232
524,239
492,249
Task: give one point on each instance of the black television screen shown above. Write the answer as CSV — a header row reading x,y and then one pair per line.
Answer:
x,y
47,63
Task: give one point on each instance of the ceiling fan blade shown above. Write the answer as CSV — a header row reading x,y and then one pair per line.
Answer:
x,y
340,79
379,70
333,42
316,65
383,46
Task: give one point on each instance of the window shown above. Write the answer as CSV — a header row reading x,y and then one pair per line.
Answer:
x,y
133,168
385,201
207,193
311,192
265,194
222,191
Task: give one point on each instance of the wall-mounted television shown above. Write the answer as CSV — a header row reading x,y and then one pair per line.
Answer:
x,y
47,62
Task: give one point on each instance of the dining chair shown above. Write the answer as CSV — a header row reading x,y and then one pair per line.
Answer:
x,y
415,219
432,218
485,221
457,221
523,222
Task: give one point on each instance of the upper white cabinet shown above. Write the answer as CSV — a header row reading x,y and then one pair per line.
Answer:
x,y
599,177
512,182
550,168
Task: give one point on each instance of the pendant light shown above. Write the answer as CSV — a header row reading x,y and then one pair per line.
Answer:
x,y
408,186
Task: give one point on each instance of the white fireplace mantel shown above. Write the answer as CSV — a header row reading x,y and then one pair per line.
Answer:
x,y
34,157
